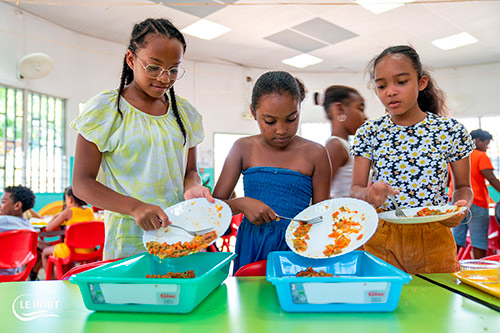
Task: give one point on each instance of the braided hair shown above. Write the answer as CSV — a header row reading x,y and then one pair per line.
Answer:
x,y
151,26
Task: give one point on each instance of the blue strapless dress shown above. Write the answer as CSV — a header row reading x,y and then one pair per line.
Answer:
x,y
287,192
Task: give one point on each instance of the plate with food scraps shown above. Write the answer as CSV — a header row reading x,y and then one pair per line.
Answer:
x,y
347,224
424,214
193,215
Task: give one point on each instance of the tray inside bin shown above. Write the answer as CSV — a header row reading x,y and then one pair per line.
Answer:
x,y
361,283
123,286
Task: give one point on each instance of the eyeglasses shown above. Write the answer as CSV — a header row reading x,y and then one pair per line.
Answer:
x,y
155,71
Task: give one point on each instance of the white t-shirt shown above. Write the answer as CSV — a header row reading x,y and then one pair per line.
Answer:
x,y
341,183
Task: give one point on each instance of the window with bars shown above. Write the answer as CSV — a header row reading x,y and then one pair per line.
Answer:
x,y
32,150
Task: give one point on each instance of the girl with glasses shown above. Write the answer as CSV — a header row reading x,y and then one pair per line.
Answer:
x,y
142,138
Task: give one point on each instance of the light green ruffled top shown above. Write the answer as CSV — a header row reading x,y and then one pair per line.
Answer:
x,y
143,157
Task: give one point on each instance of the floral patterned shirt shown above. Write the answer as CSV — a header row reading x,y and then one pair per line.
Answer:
x,y
413,159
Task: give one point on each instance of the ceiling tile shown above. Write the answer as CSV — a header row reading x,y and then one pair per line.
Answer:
x,y
295,41
198,10
324,30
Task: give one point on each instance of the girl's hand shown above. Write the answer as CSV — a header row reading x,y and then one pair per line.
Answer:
x,y
199,192
455,220
150,217
256,211
378,192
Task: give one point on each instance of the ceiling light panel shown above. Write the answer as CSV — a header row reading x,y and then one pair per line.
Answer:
x,y
324,30
302,61
205,7
379,7
205,29
295,41
455,41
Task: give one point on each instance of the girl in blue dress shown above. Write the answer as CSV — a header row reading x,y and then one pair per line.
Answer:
x,y
282,172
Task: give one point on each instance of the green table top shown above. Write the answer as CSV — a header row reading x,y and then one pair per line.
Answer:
x,y
239,305
448,280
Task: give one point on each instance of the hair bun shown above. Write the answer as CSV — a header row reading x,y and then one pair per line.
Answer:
x,y
318,99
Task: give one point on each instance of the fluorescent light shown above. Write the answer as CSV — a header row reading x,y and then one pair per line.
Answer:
x,y
205,29
380,6
454,41
302,60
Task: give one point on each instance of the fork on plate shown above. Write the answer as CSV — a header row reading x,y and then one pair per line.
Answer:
x,y
314,220
399,212
196,232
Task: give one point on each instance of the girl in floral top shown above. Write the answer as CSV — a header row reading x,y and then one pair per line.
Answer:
x,y
409,150
142,138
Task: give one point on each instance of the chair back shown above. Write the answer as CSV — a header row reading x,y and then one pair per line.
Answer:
x,y
17,248
257,268
495,257
86,267
85,235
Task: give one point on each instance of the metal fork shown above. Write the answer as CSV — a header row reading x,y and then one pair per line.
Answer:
x,y
399,212
314,220
194,233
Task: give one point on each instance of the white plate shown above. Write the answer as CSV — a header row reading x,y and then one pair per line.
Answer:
x,y
390,216
193,214
318,234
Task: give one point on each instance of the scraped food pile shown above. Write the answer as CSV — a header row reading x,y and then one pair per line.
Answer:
x,y
428,212
164,250
310,272
299,242
343,226
172,275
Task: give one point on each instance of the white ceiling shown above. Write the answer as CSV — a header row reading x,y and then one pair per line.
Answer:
x,y
252,21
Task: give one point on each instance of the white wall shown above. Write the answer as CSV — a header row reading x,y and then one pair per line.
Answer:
x,y
84,66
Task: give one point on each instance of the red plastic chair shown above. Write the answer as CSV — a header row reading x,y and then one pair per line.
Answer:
x,y
52,240
493,242
79,235
17,248
495,257
226,239
257,268
86,267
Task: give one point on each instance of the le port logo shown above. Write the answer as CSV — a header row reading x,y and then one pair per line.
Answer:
x,y
27,308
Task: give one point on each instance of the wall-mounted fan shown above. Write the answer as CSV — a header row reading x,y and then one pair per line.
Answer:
x,y
35,66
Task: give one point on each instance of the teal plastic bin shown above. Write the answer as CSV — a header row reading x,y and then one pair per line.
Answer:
x,y
122,285
361,283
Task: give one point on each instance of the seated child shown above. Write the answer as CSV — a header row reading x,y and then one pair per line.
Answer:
x,y
76,211
15,201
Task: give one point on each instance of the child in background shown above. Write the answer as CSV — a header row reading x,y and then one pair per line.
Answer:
x,y
282,172
75,211
409,150
15,201
481,170
344,108
142,139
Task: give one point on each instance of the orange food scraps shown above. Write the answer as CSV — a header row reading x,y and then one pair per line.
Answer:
x,y
342,227
173,275
301,235
164,250
299,244
428,212
310,272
